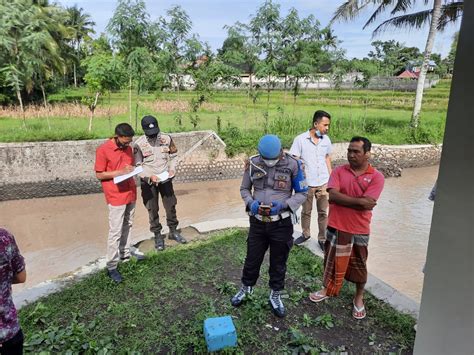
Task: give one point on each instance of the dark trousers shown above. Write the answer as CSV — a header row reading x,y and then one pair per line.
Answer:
x,y
279,237
14,346
150,200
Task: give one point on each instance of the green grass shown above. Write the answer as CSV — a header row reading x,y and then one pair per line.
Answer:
x,y
382,116
161,306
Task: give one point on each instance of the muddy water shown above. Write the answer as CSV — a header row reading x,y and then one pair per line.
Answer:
x,y
58,235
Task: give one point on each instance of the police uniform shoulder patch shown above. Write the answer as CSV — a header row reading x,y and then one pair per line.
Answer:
x,y
291,157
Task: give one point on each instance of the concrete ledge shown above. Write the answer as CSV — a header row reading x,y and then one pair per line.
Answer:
x,y
46,288
210,226
377,287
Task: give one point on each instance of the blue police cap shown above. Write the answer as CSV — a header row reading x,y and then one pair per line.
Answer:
x,y
269,146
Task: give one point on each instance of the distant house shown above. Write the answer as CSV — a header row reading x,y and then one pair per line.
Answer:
x,y
414,66
406,74
201,60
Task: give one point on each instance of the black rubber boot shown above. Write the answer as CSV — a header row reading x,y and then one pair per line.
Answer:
x,y
174,235
159,242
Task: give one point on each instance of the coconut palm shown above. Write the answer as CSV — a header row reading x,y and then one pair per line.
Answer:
x,y
442,13
27,46
330,40
81,25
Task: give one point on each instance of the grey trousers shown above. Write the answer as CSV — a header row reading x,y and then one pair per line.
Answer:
x,y
120,227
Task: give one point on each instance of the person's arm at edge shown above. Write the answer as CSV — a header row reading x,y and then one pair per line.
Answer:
x,y
20,277
328,157
329,163
298,198
246,188
173,158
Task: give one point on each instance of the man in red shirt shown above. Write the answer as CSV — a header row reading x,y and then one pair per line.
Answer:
x,y
353,192
114,158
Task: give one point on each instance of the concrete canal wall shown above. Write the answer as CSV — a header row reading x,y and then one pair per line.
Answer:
x,y
44,169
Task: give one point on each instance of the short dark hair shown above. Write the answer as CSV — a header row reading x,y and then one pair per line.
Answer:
x,y
318,116
367,145
124,130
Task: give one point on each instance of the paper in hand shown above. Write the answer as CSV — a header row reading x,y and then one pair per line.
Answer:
x,y
120,178
163,176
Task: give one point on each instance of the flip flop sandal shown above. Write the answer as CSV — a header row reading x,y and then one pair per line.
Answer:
x,y
317,297
357,310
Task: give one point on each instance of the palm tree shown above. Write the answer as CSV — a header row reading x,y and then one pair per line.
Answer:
x,y
81,25
50,58
27,45
439,16
330,40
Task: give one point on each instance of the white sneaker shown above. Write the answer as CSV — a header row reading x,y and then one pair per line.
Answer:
x,y
239,297
278,307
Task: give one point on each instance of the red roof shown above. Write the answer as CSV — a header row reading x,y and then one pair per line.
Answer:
x,y
408,75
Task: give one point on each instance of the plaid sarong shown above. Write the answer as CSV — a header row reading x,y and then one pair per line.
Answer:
x,y
345,257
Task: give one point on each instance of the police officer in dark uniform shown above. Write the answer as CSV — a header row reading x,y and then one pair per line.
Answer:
x,y
274,176
156,153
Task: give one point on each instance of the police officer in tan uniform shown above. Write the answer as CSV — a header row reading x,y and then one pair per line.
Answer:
x,y
156,153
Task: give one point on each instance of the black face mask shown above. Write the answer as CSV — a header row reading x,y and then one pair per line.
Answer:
x,y
152,136
120,144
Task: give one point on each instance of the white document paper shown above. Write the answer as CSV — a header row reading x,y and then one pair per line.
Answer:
x,y
163,176
120,178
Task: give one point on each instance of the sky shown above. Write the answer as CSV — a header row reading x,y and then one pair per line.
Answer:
x,y
210,16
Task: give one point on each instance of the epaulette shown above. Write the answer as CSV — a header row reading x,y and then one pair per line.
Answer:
x,y
291,156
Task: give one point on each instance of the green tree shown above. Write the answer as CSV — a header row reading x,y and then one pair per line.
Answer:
x,y
392,56
265,27
81,26
104,73
438,17
240,51
302,49
175,29
130,26
449,60
367,68
98,45
141,67
27,44
330,39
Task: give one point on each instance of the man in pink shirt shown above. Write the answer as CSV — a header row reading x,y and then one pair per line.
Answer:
x,y
354,189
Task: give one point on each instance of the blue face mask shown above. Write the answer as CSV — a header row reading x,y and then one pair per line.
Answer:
x,y
318,134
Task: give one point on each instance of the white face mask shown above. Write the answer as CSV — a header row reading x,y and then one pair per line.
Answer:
x,y
271,162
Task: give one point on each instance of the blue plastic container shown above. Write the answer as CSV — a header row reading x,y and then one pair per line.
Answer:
x,y
220,333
